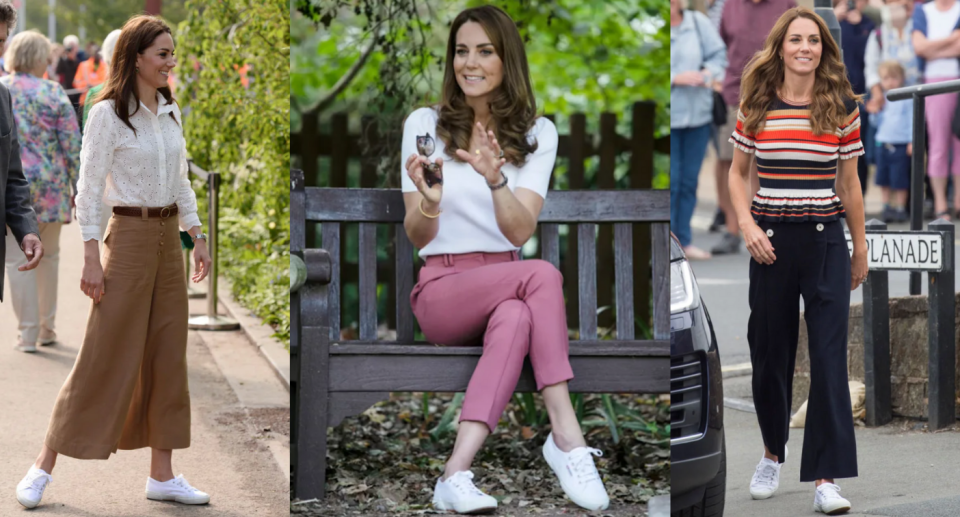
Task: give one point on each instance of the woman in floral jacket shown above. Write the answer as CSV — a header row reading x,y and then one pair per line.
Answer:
x,y
50,151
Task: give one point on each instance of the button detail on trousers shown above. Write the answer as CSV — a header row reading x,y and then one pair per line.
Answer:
x,y
819,227
769,233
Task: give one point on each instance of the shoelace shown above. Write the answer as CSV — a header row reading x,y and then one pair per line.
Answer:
x,y
829,491
37,485
463,481
582,465
182,483
765,475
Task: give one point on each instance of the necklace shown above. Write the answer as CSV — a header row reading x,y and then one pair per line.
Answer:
x,y
792,101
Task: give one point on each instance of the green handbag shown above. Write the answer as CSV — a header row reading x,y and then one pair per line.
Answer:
x,y
186,241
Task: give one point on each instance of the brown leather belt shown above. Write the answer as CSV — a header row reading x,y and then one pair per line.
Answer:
x,y
138,211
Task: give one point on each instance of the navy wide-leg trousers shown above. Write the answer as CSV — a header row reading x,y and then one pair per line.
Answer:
x,y
812,262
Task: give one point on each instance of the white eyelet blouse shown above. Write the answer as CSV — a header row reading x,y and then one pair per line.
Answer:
x,y
122,169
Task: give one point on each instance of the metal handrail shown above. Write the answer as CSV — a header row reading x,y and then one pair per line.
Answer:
x,y
919,93
211,321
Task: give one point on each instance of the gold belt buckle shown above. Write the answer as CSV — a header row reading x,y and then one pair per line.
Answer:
x,y
167,208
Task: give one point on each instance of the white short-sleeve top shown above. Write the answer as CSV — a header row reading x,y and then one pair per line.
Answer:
x,y
468,222
121,168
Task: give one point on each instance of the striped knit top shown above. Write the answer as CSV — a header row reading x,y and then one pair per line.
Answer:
x,y
798,170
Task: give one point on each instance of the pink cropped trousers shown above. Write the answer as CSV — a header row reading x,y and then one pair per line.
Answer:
x,y
515,306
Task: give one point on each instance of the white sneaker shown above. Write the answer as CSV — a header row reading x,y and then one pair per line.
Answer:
x,y
828,500
765,480
31,487
577,474
177,489
26,347
459,494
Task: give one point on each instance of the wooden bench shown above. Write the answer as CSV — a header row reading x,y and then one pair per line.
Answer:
x,y
333,379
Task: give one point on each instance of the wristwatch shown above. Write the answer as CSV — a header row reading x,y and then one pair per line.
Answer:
x,y
202,236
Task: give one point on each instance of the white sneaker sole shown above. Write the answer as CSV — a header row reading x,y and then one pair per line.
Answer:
x,y
27,349
159,496
449,507
832,510
761,495
28,504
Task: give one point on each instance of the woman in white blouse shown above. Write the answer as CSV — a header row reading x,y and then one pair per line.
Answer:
x,y
493,158
128,388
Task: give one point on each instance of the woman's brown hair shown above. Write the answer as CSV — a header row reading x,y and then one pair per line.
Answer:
x,y
135,37
513,108
764,75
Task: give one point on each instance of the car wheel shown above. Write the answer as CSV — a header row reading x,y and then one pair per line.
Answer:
x,y
714,495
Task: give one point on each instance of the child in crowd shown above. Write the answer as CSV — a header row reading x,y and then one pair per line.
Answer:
x,y
894,147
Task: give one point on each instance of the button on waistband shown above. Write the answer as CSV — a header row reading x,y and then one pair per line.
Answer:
x,y
769,233
819,227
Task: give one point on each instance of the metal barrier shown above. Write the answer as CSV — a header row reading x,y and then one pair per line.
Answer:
x,y
211,320
919,93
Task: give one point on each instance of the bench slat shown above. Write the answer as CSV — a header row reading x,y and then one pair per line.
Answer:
x,y
592,374
550,243
330,241
368,280
660,237
642,348
561,206
404,284
623,264
587,276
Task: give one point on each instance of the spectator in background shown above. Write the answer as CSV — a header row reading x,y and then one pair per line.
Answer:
x,y
937,44
67,67
892,41
56,51
744,26
89,74
714,11
106,53
50,153
855,30
697,59
894,134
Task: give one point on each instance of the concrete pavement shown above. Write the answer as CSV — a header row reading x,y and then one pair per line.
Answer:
x,y
902,471
236,450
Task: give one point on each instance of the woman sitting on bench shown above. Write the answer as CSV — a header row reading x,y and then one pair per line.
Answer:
x,y
499,159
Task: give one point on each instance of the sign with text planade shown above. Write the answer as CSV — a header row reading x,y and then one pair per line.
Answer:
x,y
903,251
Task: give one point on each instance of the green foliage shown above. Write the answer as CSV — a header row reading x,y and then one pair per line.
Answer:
x,y
97,18
243,132
584,56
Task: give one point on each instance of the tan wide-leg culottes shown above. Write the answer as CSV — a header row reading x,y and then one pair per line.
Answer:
x,y
128,388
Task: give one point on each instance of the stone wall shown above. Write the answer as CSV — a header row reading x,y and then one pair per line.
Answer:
x,y
908,355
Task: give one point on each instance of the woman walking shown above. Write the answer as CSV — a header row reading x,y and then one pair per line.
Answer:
x,y
799,115
49,150
469,211
698,58
128,387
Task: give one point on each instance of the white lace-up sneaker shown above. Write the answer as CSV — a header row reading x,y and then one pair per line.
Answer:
x,y
459,494
577,474
31,487
827,500
25,347
177,489
765,480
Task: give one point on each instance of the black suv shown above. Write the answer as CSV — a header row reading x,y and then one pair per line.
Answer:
x,y
698,455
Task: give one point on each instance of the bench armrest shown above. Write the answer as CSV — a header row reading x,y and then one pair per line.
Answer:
x,y
314,267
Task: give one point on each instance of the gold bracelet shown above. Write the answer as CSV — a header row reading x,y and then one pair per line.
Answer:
x,y
428,216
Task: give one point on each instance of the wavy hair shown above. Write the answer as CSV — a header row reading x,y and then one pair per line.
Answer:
x,y
764,74
512,105
136,36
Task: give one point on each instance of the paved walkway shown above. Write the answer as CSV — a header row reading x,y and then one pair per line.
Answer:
x,y
231,457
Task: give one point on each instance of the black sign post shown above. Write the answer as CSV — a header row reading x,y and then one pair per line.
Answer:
x,y
934,253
